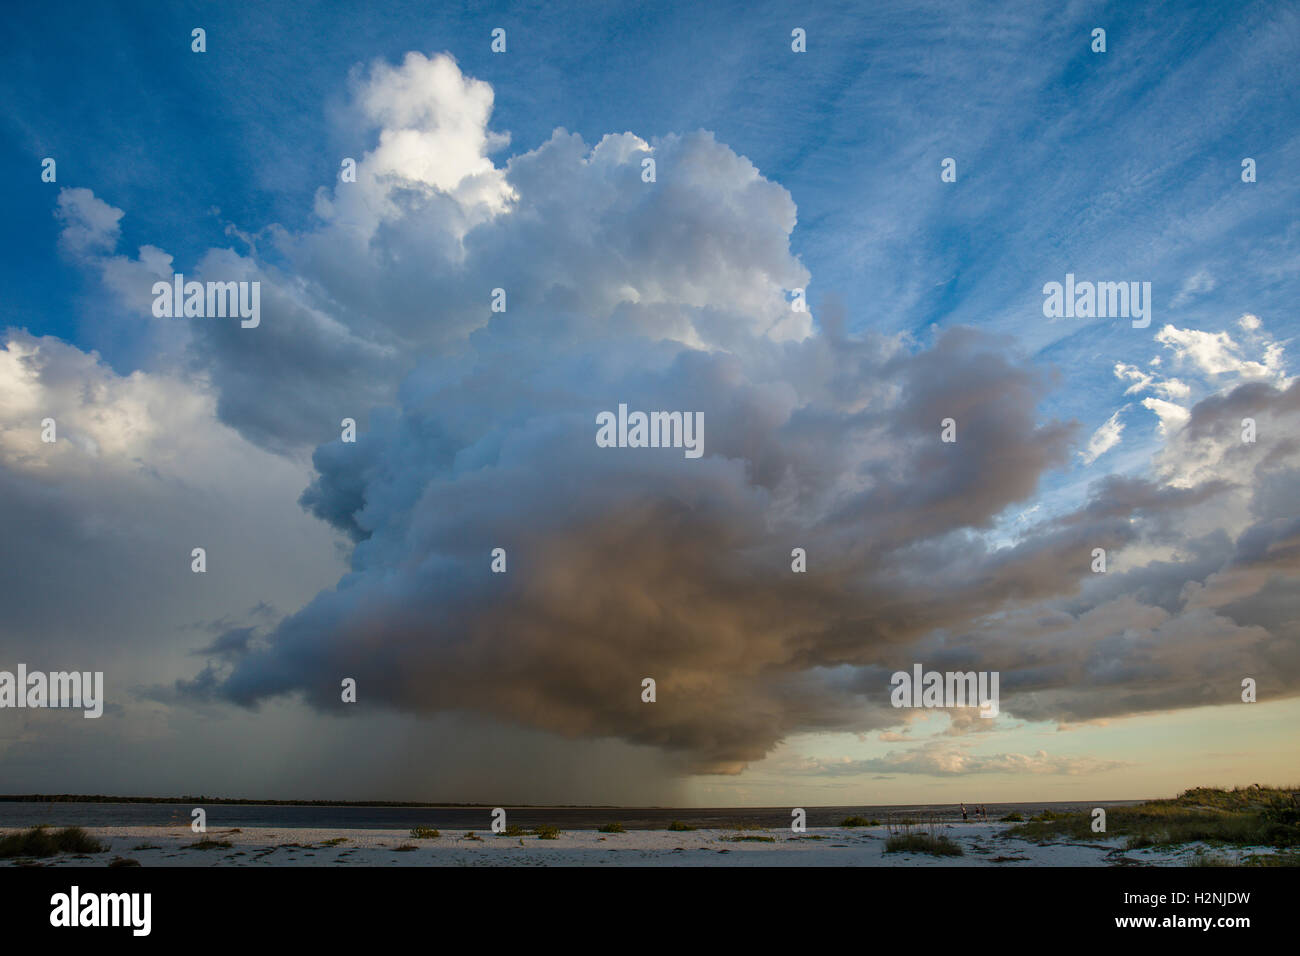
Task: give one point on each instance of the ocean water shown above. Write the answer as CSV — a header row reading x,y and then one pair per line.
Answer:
x,y
23,814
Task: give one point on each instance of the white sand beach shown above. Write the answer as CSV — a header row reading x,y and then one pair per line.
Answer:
x,y
983,844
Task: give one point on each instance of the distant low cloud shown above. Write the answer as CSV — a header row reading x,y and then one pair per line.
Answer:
x,y
944,760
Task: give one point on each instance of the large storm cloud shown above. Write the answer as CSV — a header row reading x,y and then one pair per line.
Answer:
x,y
675,293
633,563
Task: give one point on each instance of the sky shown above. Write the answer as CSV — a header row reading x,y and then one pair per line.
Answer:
x,y
773,171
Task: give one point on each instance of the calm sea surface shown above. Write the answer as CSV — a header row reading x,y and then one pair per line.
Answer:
x,y
469,818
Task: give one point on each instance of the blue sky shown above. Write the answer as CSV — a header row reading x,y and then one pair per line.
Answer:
x,y
1115,166
1118,164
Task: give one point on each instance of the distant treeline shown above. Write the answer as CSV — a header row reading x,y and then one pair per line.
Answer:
x,y
202,799
103,798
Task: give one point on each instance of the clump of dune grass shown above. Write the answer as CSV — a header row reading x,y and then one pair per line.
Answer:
x,y
211,845
1281,858
41,841
745,832
77,840
547,832
471,835
423,833
1201,858
1243,816
405,848
515,830
335,841
678,827
1013,817
911,838
856,821
614,827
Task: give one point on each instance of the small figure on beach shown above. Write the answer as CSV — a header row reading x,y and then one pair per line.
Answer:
x,y
963,813
984,814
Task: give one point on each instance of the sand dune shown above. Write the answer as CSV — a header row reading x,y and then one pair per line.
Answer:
x,y
982,845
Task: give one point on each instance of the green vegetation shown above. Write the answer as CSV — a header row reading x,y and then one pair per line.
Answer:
x,y
1210,859
424,833
909,838
210,845
544,832
337,840
614,827
1243,816
41,841
678,827
1281,858
859,822
1013,817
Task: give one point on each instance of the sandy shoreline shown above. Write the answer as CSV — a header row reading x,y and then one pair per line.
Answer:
x,y
984,844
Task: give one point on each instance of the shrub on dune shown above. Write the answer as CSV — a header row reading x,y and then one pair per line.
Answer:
x,y
41,841
906,838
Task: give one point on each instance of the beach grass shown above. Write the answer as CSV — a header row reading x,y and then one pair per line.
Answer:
x,y
614,827
678,827
746,832
1243,816
206,844
856,821
910,838
41,841
1210,859
1281,858
547,832
425,833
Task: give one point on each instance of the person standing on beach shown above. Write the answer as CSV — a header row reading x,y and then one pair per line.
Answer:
x,y
963,813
